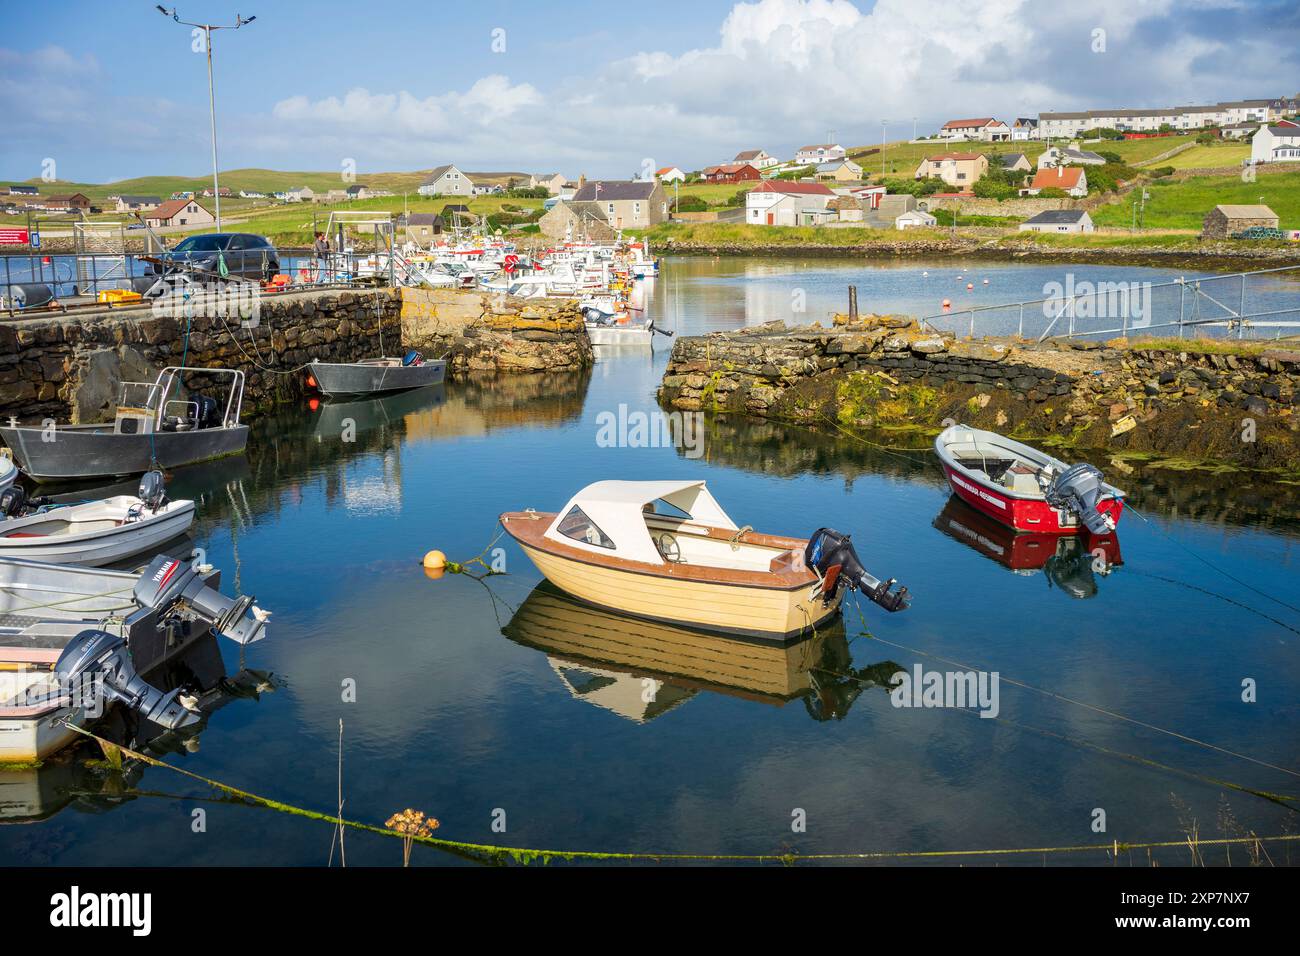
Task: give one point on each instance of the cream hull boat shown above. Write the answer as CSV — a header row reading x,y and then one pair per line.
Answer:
x,y
769,593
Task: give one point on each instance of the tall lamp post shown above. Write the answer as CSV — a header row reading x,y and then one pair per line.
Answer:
x,y
207,29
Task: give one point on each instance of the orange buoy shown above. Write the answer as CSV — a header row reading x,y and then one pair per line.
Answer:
x,y
435,561
947,304
969,286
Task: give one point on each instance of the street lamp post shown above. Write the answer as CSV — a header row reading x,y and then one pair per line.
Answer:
x,y
207,29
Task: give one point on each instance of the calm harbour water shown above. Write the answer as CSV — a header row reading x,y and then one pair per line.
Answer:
x,y
477,697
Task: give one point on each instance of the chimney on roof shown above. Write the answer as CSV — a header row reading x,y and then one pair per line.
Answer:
x,y
1060,172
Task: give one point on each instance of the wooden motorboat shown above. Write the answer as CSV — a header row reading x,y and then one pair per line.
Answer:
x,y
377,376
76,641
1069,562
91,533
159,424
1024,488
666,551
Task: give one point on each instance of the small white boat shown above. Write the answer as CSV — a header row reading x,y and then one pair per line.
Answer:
x,y
613,333
8,470
666,551
95,533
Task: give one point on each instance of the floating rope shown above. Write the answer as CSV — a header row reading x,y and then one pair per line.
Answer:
x,y
527,854
1079,703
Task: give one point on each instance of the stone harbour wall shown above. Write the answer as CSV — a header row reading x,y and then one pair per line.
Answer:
x,y
1235,404
484,332
69,366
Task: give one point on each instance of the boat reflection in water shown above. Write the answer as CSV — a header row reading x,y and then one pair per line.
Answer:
x,y
1069,562
79,778
334,418
642,669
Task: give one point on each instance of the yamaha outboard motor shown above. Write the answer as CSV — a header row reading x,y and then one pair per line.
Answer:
x,y
412,357
172,580
205,411
103,658
1078,489
153,491
833,557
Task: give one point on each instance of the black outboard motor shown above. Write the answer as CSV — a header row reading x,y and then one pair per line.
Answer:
x,y
13,502
205,411
171,580
103,658
1078,489
832,555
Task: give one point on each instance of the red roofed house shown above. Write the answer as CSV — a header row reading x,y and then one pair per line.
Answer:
x,y
731,173
1072,179
962,170
774,202
179,212
984,128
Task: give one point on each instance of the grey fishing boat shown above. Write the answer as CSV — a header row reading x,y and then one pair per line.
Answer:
x,y
376,376
158,424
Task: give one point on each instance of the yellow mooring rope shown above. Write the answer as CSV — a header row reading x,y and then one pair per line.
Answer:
x,y
525,855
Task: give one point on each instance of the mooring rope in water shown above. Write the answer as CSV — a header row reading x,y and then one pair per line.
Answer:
x,y
1078,703
1213,567
528,854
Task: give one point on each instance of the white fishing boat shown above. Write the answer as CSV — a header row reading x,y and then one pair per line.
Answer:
x,y
620,330
93,533
8,470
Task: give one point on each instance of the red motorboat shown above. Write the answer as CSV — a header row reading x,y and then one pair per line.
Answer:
x,y
1024,488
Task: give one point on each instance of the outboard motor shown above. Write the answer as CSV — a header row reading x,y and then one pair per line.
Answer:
x,y
13,502
153,491
205,411
1078,490
170,581
104,658
412,357
834,558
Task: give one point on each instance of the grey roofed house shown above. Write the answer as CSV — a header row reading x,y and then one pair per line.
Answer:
x,y
615,190
435,174
1053,217
423,219
141,200
356,188
1012,160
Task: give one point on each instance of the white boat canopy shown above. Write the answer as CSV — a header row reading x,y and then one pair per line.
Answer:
x,y
608,517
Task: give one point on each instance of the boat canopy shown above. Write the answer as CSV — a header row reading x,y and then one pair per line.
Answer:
x,y
608,517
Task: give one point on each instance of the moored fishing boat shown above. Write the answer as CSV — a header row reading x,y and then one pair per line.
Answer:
x,y
152,428
1024,488
376,376
8,470
91,533
666,551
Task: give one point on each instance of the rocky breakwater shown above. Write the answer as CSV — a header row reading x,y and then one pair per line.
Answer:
x,y
70,366
1228,402
482,332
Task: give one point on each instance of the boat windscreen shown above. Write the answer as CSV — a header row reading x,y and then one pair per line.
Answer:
x,y
579,527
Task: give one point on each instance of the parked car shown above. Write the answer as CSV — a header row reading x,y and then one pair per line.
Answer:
x,y
243,254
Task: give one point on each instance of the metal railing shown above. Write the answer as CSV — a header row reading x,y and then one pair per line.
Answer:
x,y
1129,308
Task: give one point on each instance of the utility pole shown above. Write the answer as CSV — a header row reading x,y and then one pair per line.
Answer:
x,y
207,29
884,123
913,127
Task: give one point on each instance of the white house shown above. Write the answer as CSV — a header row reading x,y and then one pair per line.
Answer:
x,y
984,128
915,219
774,202
1024,128
819,153
670,174
1072,180
446,181
757,158
1275,144
299,194
1059,220
553,182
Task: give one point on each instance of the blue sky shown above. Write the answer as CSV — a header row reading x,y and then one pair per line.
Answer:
x,y
112,90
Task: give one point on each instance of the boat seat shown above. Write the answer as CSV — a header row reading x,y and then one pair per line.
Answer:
x,y
1021,479
786,561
